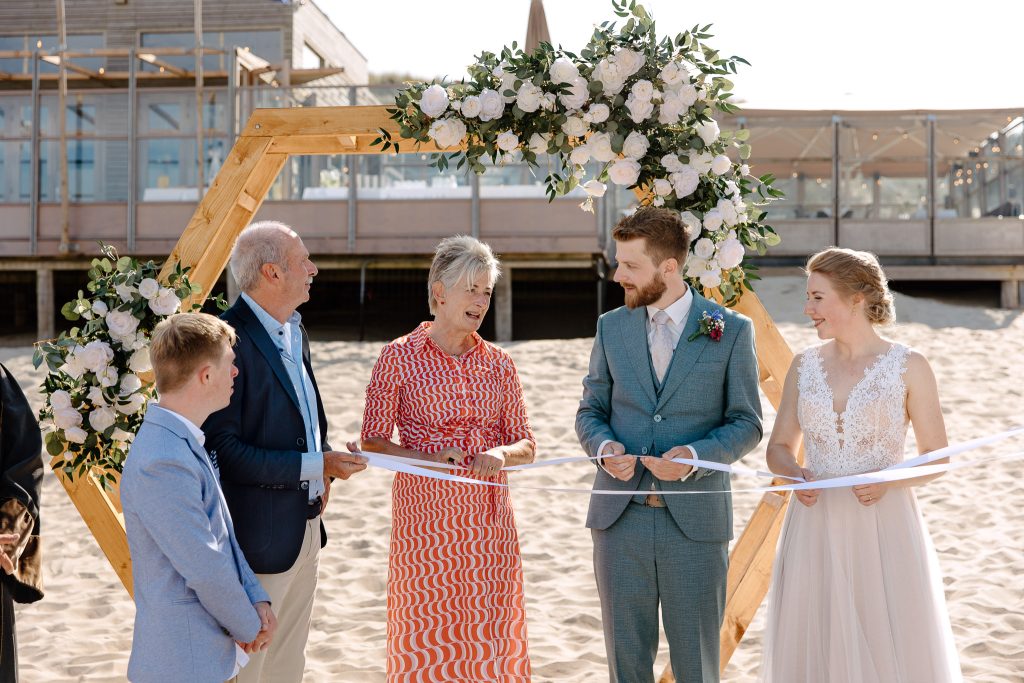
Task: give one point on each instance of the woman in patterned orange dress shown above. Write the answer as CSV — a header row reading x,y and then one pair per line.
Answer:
x,y
456,610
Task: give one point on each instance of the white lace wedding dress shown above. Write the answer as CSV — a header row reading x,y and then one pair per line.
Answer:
x,y
856,593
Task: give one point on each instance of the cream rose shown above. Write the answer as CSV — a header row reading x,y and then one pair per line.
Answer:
x,y
528,98
167,302
600,145
507,141
102,418
598,113
434,101
563,70
635,146
704,249
575,127
492,105
730,253
624,172
149,288
720,165
708,131
662,187
471,106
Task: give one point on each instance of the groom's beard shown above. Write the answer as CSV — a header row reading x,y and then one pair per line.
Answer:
x,y
648,294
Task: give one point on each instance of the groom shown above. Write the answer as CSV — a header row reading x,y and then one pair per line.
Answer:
x,y
652,395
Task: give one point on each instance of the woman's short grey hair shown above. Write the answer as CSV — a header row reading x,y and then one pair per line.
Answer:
x,y
460,259
260,243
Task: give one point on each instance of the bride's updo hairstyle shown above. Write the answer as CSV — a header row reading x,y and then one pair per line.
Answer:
x,y
857,272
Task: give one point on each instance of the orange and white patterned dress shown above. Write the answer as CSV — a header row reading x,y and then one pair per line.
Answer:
x,y
456,609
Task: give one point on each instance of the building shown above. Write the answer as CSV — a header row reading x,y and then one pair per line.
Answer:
x,y
936,194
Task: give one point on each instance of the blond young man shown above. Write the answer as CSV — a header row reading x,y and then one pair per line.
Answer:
x,y
200,609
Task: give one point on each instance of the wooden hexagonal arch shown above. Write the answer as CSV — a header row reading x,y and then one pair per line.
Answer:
x,y
235,195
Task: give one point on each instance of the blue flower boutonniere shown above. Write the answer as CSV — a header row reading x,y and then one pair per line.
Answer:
x,y
712,324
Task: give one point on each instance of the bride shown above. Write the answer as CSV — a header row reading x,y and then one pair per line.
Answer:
x,y
856,591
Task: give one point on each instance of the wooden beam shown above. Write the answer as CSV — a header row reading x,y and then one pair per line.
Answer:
x,y
206,243
103,517
322,121
346,143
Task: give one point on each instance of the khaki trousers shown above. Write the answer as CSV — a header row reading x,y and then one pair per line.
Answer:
x,y
291,598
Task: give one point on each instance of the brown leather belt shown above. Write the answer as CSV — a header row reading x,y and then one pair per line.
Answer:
x,y
653,500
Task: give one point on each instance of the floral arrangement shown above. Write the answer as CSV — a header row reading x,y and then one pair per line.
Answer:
x,y
99,375
640,106
711,325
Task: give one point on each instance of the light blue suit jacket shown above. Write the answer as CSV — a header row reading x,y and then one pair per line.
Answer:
x,y
709,400
194,591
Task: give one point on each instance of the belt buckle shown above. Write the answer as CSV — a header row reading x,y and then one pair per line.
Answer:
x,y
653,500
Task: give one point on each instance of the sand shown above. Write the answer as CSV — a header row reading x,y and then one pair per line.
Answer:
x,y
81,631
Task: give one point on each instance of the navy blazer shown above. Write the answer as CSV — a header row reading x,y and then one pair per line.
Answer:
x,y
258,441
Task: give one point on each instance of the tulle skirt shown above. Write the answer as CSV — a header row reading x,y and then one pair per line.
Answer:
x,y
857,597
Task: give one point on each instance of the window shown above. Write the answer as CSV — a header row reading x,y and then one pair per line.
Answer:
x,y
265,44
311,59
49,43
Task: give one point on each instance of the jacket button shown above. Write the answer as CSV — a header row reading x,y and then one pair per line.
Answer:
x,y
304,485
300,441
657,418
643,451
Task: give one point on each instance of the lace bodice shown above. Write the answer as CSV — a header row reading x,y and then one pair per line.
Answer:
x,y
870,433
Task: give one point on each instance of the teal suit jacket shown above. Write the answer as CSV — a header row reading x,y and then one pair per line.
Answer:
x,y
709,400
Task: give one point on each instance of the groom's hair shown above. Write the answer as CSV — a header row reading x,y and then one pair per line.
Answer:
x,y
182,343
666,234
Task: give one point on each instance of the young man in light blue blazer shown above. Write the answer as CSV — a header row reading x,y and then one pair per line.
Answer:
x,y
200,610
659,388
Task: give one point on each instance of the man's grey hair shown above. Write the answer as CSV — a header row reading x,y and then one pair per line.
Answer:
x,y
260,243
460,259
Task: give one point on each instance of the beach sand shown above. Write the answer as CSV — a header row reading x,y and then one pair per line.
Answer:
x,y
81,631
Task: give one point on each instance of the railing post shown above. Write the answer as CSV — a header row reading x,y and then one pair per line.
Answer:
x,y
133,151
352,164
35,165
836,123
931,184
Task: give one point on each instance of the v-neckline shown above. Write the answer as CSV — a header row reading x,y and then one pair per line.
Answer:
x,y
868,371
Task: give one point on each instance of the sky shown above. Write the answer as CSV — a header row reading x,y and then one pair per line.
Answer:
x,y
821,54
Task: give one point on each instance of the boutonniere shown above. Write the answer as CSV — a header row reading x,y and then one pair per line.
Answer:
x,y
712,324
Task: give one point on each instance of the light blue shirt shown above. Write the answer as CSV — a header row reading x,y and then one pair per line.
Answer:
x,y
287,337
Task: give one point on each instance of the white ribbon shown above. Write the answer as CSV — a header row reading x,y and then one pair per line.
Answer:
x,y
909,469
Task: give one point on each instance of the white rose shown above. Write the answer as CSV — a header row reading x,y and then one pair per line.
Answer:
x,y
447,132
710,279
598,113
547,101
639,110
595,188
577,94
508,84
563,70
101,418
692,222
434,101
107,376
130,384
73,366
658,201
662,187
149,288
704,249
684,182
600,145
624,172
629,61
99,308
139,361
708,131
730,253
66,418
744,170
507,141
134,404
529,96
674,73
471,107
741,209
635,146
720,165
499,71
121,436
122,323
580,154
539,143
728,211
712,220
492,105
60,400
125,292
167,302
695,267
96,354
575,127
96,397
687,96
75,435
671,163
610,75
642,90
456,105
701,163
670,111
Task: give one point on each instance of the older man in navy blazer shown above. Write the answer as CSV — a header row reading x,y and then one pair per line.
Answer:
x,y
199,608
271,441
